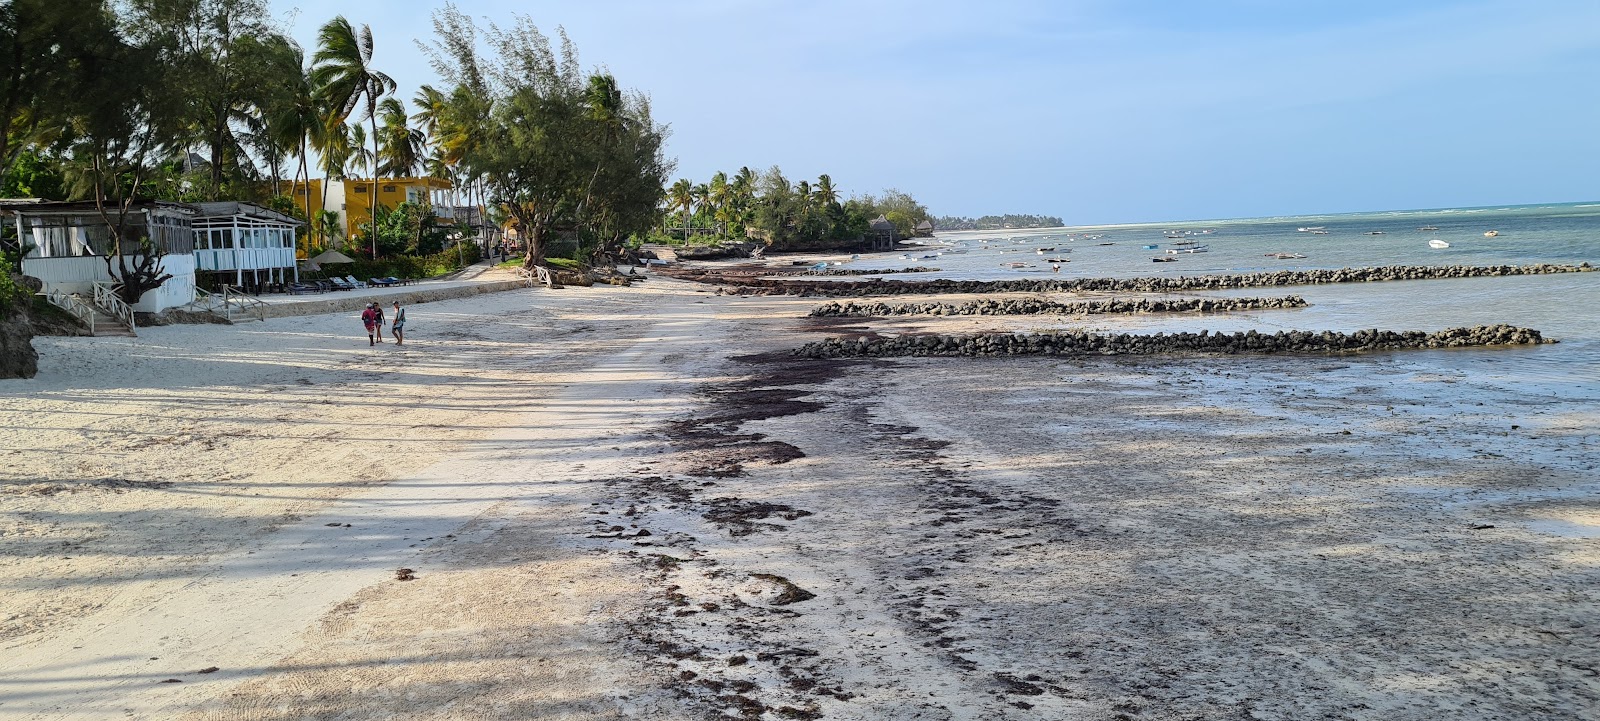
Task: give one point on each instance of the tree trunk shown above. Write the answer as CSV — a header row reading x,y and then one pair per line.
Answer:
x,y
372,114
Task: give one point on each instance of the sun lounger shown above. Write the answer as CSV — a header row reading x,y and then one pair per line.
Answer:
x,y
341,284
379,282
353,282
298,288
391,280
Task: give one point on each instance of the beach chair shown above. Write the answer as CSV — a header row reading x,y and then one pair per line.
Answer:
x,y
340,284
379,282
353,282
299,288
391,280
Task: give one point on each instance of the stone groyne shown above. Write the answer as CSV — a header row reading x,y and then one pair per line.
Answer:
x,y
1203,342
864,271
1039,306
749,285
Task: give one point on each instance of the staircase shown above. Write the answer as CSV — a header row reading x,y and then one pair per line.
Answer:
x,y
106,324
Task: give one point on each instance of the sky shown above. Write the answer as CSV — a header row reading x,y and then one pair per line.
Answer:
x,y
1097,111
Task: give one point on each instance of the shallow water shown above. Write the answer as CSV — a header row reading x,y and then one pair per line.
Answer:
x,y
1561,306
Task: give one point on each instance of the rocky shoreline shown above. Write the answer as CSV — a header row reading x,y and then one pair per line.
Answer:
x,y
1039,306
745,283
1204,342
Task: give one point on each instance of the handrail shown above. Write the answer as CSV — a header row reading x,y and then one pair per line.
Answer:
x,y
106,297
229,299
247,302
73,305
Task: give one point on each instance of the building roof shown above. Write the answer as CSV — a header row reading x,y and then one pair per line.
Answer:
x,y
35,206
229,208
925,225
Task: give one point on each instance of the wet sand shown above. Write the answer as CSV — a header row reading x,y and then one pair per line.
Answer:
x,y
630,503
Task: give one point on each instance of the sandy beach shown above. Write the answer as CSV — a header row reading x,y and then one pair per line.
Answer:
x,y
632,503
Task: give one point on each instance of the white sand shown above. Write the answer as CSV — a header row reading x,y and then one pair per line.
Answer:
x,y
1028,538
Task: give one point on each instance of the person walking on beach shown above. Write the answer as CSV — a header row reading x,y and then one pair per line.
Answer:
x,y
369,318
397,328
378,309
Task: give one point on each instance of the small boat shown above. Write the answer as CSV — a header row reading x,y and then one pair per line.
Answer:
x,y
1311,228
957,251
1285,256
1428,227
1319,232
1174,236
1042,251
1058,260
1196,249
1151,247
1436,243
1014,265
1491,234
929,257
1374,232
1105,244
1163,260
820,267
1186,242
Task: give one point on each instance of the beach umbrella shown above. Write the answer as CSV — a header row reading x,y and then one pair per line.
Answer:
x,y
332,256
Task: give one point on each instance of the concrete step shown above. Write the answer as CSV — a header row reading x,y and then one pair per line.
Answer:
x,y
108,325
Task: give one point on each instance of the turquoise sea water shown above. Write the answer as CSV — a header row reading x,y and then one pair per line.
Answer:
x,y
1562,306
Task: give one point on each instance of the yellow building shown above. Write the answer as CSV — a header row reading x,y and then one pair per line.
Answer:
x,y
352,199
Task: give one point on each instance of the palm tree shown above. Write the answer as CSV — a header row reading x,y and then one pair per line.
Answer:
x,y
359,159
824,191
331,140
297,117
342,70
702,199
401,147
682,195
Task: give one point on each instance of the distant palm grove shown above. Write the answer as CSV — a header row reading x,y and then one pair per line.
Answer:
x,y
200,100
788,216
999,222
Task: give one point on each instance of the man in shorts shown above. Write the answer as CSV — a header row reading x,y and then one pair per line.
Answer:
x,y
397,327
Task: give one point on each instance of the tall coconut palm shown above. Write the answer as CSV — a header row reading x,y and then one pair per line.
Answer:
x,y
297,116
342,70
824,191
682,195
359,159
401,147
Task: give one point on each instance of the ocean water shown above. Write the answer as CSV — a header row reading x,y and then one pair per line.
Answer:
x,y
1566,306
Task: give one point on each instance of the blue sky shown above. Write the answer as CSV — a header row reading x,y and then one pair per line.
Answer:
x,y
1096,111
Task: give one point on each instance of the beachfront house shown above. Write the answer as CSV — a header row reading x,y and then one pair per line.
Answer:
x,y
352,199
244,245
225,243
68,243
923,229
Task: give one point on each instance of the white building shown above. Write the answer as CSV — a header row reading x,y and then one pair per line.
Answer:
x,y
68,245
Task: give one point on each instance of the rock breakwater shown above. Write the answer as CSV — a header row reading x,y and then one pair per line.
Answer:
x,y
1039,306
735,284
867,271
1203,342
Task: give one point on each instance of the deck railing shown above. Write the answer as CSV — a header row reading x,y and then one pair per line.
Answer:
x,y
230,302
105,296
73,305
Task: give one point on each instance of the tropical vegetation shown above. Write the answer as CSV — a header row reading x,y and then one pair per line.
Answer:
x,y
787,216
194,100
998,222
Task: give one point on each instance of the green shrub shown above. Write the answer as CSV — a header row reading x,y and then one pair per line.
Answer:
x,y
410,266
